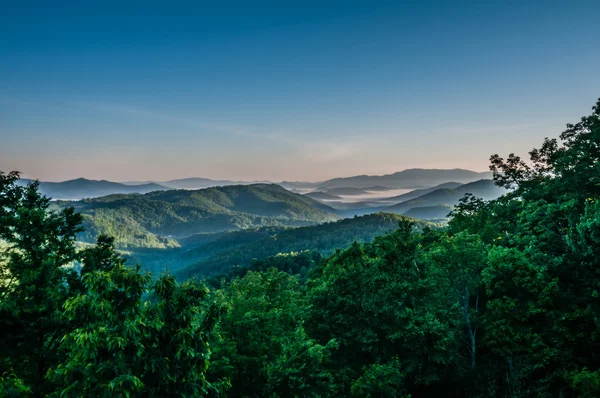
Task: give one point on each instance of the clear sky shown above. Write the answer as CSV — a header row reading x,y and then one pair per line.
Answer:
x,y
287,90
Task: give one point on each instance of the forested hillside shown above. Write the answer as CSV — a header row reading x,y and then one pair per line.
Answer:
x,y
324,239
214,254
156,219
503,302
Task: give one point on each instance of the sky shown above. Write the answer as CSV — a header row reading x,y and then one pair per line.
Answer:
x,y
306,91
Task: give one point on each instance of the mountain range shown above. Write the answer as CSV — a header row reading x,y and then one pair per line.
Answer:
x,y
438,200
408,179
485,189
83,188
212,229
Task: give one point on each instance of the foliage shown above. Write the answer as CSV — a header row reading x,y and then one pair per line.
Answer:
x,y
34,282
108,329
262,346
324,239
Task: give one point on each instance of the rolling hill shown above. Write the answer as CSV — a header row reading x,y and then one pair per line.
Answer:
x,y
158,219
410,178
420,192
324,239
485,189
83,188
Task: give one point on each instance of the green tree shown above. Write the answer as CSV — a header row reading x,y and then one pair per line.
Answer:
x,y
136,336
34,283
383,305
262,347
108,329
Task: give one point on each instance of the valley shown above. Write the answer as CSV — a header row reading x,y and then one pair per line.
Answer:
x,y
206,231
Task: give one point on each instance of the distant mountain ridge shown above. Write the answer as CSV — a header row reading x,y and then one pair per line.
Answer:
x,y
420,192
407,179
485,189
83,188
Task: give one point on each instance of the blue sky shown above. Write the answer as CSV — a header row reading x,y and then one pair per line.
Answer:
x,y
287,90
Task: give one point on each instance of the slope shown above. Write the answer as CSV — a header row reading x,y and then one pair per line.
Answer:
x,y
420,192
324,239
485,189
134,219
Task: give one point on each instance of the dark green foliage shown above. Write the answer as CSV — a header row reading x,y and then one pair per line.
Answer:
x,y
384,305
216,254
324,239
156,348
106,330
439,212
294,263
34,282
262,346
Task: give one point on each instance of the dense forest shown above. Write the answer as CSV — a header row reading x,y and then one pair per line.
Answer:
x,y
503,301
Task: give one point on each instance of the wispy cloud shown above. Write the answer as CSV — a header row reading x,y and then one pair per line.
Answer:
x,y
298,144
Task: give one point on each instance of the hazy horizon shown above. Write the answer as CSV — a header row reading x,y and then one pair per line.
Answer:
x,y
287,92
133,181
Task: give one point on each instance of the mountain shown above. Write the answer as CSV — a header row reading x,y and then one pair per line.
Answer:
x,y
324,238
485,189
318,195
420,192
410,178
158,219
429,212
83,188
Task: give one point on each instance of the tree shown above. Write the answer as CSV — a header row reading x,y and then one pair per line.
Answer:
x,y
108,329
136,336
384,305
35,281
261,346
